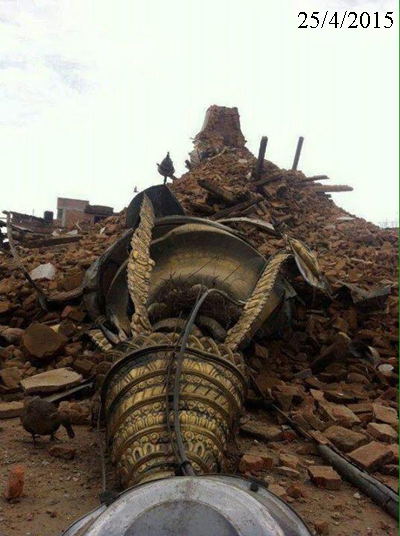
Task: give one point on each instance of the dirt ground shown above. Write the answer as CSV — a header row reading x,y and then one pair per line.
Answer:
x,y
348,512
57,492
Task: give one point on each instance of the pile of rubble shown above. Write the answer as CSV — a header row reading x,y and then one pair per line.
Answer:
x,y
34,341
336,372
333,373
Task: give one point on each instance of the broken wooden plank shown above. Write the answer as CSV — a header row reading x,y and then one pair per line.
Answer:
x,y
260,224
48,242
200,207
238,208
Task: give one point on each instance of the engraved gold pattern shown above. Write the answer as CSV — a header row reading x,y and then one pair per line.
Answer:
x,y
213,390
99,340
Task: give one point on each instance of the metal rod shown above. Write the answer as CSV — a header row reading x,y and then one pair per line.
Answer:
x,y
298,153
261,155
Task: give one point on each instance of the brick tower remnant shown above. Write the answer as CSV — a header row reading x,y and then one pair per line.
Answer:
x,y
221,129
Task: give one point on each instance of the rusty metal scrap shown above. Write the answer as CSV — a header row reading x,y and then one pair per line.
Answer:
x,y
307,263
373,300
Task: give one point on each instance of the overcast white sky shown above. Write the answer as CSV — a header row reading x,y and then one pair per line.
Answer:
x,y
93,93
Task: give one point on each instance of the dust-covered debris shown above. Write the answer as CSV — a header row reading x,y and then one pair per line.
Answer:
x,y
333,371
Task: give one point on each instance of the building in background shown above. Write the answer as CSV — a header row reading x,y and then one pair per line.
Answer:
x,y
29,222
72,211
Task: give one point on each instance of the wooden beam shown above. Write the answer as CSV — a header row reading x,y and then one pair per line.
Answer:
x,y
220,193
260,159
235,209
316,178
333,188
298,153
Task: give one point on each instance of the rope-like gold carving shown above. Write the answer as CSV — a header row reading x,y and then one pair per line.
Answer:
x,y
100,340
257,301
139,268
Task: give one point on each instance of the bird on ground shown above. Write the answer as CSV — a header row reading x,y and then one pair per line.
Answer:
x,y
42,418
166,168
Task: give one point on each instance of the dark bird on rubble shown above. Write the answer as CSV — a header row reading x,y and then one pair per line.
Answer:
x,y
166,168
42,418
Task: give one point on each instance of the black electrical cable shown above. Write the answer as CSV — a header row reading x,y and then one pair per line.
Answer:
x,y
186,466
167,393
102,459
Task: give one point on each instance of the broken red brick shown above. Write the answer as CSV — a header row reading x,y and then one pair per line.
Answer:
x,y
83,366
322,527
250,463
278,490
289,460
15,482
385,414
395,451
325,477
287,471
296,490
41,342
65,452
383,432
372,456
345,439
262,430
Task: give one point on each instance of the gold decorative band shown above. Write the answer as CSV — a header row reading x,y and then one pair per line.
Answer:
x,y
212,393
